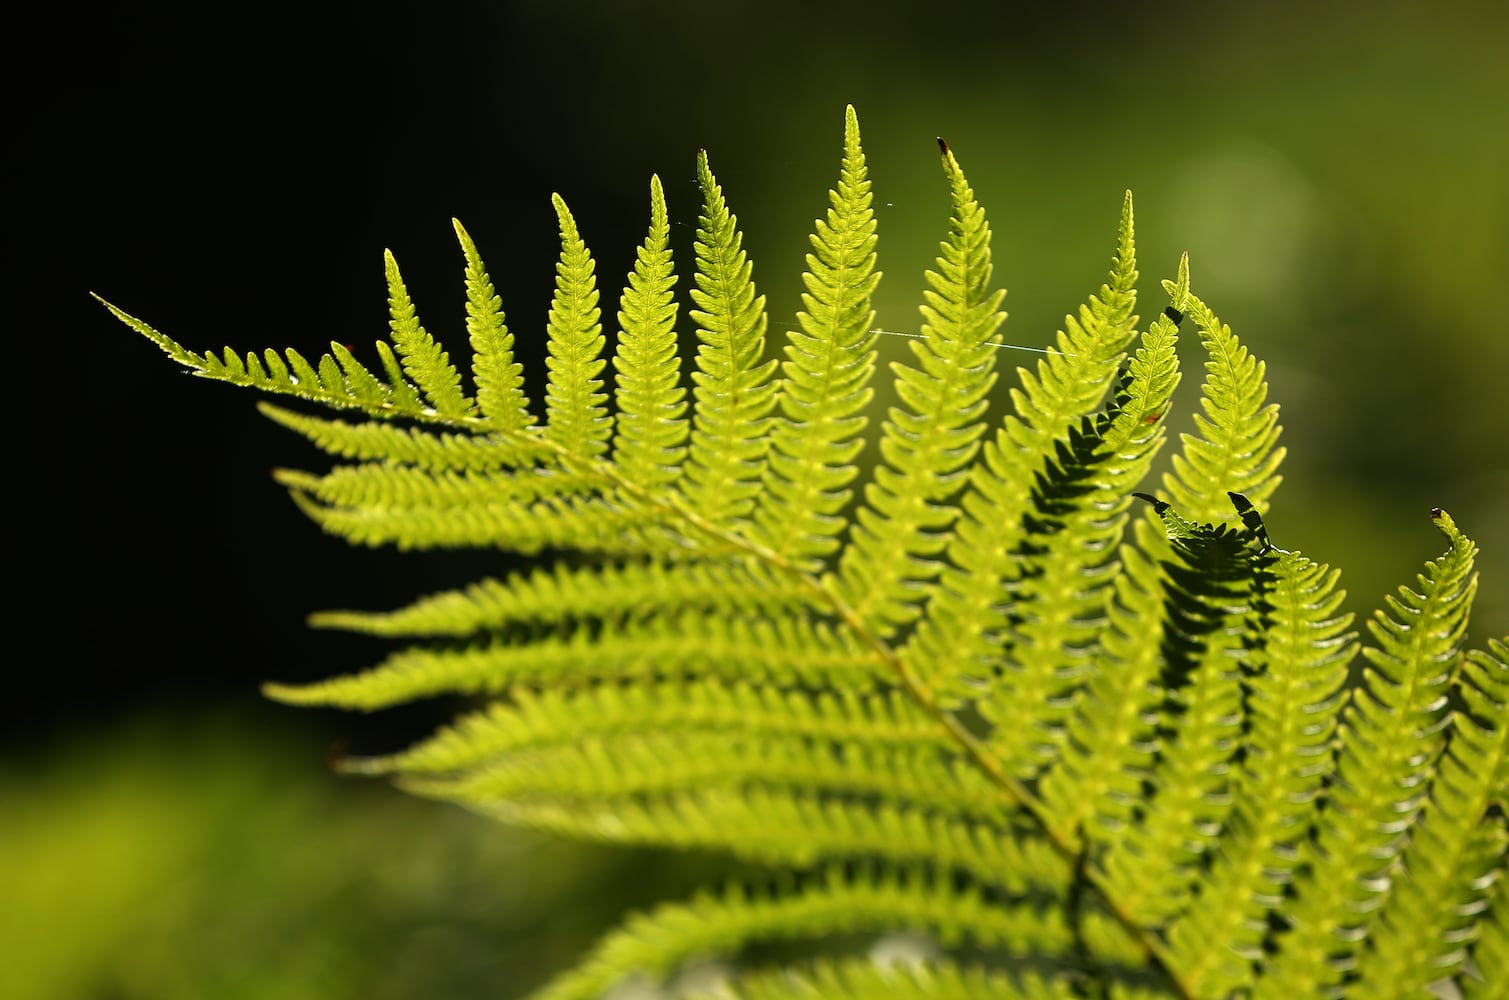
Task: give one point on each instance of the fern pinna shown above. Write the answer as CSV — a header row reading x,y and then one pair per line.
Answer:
x,y
1090,741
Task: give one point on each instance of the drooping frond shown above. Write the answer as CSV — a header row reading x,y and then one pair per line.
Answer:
x,y
927,441
651,429
576,417
657,942
1391,736
827,374
732,387
499,378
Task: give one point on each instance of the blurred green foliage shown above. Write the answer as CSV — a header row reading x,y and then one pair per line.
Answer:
x,y
177,860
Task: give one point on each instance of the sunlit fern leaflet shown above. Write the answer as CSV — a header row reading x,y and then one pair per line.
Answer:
x,y
978,694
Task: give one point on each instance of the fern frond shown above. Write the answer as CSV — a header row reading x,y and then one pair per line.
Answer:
x,y
733,389
567,522
1209,593
1110,737
649,442
871,978
289,374
407,445
1017,477
576,415
551,717
1391,736
775,826
1236,450
658,942
785,649
1490,952
1293,676
827,375
561,593
382,488
633,764
499,378
1456,849
927,442
423,359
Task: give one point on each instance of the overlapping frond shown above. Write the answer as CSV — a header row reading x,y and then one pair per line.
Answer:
x,y
1390,738
1208,596
974,710
1292,678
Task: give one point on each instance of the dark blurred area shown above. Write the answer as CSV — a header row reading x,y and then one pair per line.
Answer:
x,y
1340,180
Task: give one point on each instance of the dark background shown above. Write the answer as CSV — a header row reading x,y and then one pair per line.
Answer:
x,y
232,178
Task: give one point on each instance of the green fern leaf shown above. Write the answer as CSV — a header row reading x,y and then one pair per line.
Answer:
x,y
1292,677
1490,952
703,705
784,649
732,387
1010,489
561,594
827,375
656,943
576,418
929,440
1455,850
294,378
499,378
1391,737
1074,762
423,359
1237,448
651,430
1209,593
406,445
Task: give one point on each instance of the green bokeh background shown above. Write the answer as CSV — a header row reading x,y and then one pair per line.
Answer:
x,y
1338,175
